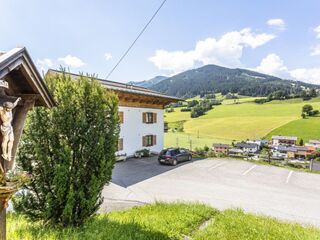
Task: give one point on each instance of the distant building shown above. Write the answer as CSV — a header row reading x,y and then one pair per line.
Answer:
x,y
248,147
297,152
291,152
259,142
284,140
220,148
313,143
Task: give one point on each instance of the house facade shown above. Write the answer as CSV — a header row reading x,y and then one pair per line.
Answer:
x,y
284,140
141,116
248,147
313,143
221,148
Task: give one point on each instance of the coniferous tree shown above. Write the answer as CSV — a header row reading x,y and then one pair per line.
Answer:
x,y
69,151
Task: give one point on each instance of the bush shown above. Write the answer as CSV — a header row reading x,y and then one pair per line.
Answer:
x,y
69,151
187,109
192,103
142,153
169,110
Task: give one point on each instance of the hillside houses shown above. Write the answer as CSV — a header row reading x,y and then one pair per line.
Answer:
x,y
278,148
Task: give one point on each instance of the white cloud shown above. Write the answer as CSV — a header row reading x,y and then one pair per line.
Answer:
x,y
226,51
315,50
173,61
317,31
277,23
44,64
72,61
310,75
273,65
107,56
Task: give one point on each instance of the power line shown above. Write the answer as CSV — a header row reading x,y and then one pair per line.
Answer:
x,y
139,35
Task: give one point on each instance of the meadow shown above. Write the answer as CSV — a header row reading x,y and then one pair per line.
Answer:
x,y
243,119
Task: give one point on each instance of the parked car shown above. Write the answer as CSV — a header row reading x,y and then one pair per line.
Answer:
x,y
174,155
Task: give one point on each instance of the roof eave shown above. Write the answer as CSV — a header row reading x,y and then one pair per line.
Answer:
x,y
9,61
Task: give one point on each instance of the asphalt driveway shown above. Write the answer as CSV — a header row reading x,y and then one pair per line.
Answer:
x,y
273,191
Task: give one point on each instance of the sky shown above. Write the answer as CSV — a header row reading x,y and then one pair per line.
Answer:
x,y
280,38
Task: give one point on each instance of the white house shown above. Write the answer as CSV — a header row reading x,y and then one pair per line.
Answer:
x,y
284,140
248,147
141,115
313,143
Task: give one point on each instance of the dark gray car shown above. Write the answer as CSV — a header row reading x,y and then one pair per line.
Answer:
x,y
174,155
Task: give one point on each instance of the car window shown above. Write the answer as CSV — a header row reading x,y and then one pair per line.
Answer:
x,y
174,152
182,151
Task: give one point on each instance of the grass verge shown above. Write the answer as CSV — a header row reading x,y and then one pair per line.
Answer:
x,y
150,222
237,225
162,221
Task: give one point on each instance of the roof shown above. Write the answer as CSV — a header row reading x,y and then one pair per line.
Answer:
x,y
235,150
122,87
291,148
221,145
285,138
246,145
17,66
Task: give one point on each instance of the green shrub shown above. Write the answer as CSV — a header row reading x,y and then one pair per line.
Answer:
x,y
69,151
142,153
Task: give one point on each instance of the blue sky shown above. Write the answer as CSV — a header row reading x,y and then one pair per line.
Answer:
x,y
280,38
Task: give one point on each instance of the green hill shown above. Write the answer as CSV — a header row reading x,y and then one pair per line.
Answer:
x,y
246,120
212,78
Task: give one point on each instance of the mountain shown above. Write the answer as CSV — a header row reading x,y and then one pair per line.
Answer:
x,y
212,78
148,83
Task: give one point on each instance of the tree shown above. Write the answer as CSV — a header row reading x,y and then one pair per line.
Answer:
x,y
313,92
69,151
301,142
307,109
303,115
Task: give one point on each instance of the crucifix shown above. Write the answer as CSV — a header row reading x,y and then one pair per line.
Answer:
x,y
21,88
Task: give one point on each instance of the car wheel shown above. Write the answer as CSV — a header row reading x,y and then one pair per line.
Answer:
x,y
174,162
160,162
190,158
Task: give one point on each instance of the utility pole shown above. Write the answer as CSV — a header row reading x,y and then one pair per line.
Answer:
x,y
311,165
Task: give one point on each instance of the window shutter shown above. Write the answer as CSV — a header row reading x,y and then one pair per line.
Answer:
x,y
120,117
154,117
154,140
144,117
120,144
144,141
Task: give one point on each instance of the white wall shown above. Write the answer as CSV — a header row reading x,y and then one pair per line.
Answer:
x,y
133,129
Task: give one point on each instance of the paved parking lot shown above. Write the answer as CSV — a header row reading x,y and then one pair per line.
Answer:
x,y
268,190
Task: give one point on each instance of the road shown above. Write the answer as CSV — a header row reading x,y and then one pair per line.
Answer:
x,y
221,183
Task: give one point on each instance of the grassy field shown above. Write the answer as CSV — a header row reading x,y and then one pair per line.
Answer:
x,y
166,221
304,128
246,120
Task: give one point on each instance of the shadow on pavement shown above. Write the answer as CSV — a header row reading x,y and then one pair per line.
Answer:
x,y
132,171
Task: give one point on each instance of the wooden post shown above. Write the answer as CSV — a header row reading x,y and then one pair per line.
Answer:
x,y
3,213
6,193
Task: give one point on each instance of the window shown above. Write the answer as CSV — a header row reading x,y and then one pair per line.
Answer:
x,y
120,114
120,144
149,117
149,140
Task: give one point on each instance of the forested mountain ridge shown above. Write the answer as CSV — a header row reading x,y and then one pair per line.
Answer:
x,y
212,78
148,83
